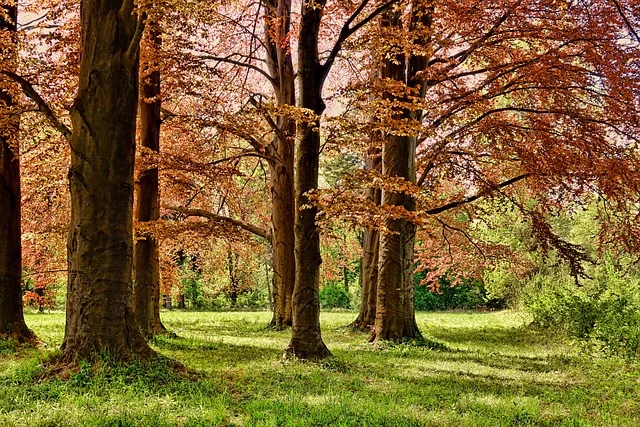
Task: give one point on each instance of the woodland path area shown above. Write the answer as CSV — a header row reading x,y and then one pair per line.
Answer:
x,y
487,369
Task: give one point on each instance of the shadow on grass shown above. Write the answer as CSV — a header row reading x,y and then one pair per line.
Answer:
x,y
491,336
221,353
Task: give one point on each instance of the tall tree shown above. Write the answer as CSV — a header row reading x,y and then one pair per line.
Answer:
x,y
306,339
370,253
12,324
146,263
394,304
512,93
281,152
100,245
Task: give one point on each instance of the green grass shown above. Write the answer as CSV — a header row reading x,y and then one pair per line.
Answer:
x,y
492,371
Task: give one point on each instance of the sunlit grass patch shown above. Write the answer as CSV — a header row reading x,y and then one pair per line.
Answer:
x,y
472,369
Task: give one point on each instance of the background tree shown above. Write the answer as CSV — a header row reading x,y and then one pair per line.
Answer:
x,y
12,323
513,94
146,256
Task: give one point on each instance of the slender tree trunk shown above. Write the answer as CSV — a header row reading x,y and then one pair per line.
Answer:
x,y
146,262
12,323
268,280
232,261
395,314
370,248
306,339
100,246
278,27
345,278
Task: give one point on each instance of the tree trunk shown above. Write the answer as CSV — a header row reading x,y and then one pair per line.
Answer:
x,y
181,303
306,339
395,317
282,217
395,314
12,324
100,246
370,248
146,262
234,281
277,30
345,278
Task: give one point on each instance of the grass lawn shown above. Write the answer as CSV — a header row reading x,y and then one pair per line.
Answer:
x,y
494,371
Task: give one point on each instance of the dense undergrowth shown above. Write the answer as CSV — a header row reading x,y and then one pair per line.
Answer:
x,y
474,369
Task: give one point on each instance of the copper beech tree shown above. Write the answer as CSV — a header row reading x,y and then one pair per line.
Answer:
x,y
146,301
12,323
100,244
449,101
500,97
99,314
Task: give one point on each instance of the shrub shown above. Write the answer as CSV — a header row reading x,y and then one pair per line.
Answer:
x,y
502,286
253,299
469,294
604,312
334,295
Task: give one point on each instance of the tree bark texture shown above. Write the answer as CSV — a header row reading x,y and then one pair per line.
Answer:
x,y
306,339
146,259
100,314
370,249
12,324
279,61
395,314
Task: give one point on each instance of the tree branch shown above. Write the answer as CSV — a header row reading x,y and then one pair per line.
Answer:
x,y
626,20
347,30
134,47
228,60
254,229
30,92
475,197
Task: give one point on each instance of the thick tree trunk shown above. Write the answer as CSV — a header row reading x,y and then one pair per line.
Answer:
x,y
306,339
146,262
277,29
100,246
395,314
12,324
282,217
370,248
420,24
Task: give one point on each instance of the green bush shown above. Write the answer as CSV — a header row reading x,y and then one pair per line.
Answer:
x,y
603,312
334,295
617,329
469,294
501,285
253,299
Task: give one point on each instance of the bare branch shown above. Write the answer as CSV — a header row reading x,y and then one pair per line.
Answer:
x,y
228,60
626,20
254,229
30,92
475,197
347,30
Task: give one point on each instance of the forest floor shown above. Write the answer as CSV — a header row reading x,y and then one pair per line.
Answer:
x,y
492,371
